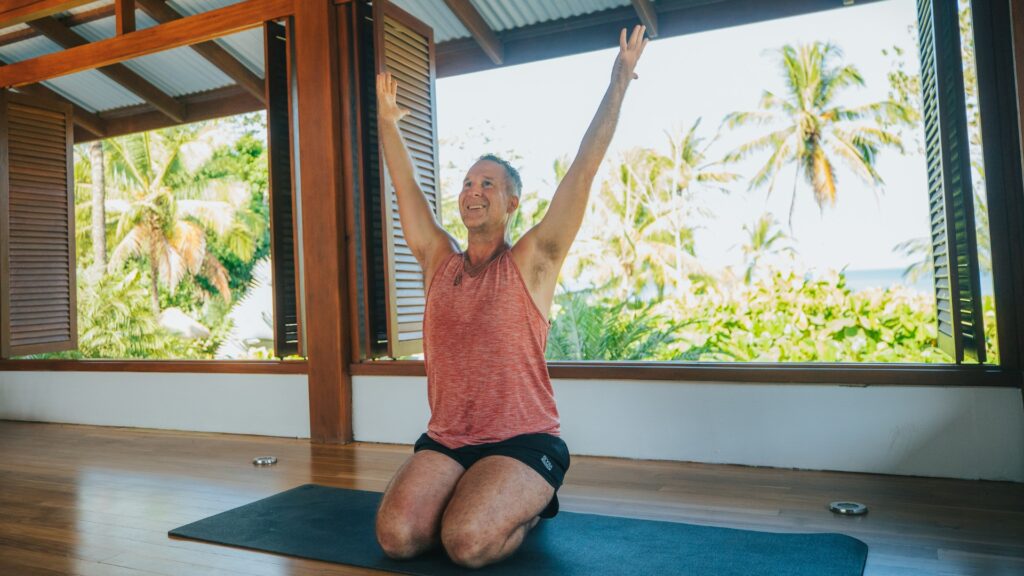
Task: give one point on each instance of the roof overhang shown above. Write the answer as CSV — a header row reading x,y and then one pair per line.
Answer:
x,y
474,35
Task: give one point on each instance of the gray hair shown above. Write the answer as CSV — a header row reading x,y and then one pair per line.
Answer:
x,y
515,183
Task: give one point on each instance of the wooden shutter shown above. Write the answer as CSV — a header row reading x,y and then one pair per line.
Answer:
x,y
950,195
37,227
403,46
283,253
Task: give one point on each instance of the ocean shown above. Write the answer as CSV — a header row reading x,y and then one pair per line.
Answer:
x,y
884,277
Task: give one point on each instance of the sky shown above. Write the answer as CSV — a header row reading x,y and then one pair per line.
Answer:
x,y
541,110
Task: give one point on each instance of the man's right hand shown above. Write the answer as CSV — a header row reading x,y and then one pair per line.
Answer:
x,y
387,98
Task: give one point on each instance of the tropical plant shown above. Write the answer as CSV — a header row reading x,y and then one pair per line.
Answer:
x,y
815,131
587,327
762,241
114,320
169,234
786,317
639,230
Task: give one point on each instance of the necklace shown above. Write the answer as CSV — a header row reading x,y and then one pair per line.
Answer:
x,y
473,270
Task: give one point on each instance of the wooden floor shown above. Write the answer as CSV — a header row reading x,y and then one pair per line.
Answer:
x,y
90,500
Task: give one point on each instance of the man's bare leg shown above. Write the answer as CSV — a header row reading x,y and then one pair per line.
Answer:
x,y
495,504
409,517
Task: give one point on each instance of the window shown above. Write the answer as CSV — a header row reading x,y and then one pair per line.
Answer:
x,y
176,219
715,235
709,236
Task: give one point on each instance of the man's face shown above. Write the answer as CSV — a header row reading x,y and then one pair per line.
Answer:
x,y
484,202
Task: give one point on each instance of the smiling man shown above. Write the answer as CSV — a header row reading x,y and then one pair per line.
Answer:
x,y
490,464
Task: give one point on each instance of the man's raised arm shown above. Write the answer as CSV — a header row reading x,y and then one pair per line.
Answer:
x,y
554,234
422,231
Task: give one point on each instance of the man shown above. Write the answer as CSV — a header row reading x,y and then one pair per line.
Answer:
x,y
489,466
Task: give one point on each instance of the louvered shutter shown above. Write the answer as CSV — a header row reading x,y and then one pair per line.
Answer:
x,y
950,196
283,255
404,46
37,227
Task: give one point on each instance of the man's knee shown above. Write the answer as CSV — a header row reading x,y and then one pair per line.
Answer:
x,y
469,546
402,537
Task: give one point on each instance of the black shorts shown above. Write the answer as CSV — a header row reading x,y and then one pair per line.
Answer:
x,y
545,453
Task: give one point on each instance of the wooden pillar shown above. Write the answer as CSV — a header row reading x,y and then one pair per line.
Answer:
x,y
319,171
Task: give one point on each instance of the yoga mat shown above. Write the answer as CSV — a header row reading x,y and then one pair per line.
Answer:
x,y
337,525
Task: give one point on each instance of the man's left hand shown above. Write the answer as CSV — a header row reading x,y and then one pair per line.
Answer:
x,y
629,53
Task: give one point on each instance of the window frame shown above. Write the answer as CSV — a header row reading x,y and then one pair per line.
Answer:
x,y
274,366
998,99
182,366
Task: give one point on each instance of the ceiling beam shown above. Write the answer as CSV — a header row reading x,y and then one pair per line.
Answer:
x,y
648,17
119,73
227,101
70,21
125,12
478,27
213,52
184,32
81,116
20,11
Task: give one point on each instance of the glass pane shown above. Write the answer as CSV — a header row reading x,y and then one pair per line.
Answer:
x,y
187,244
764,199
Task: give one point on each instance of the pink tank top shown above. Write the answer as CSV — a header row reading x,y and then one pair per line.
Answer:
x,y
483,345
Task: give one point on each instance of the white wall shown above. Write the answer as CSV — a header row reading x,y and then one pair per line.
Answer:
x,y
947,432
267,404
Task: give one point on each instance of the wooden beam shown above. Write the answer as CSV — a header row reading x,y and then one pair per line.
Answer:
x,y
119,73
213,52
218,103
20,11
478,27
125,11
326,319
81,116
648,17
183,32
70,20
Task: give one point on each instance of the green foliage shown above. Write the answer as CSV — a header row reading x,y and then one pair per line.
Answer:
x,y
588,327
988,311
175,211
788,318
116,321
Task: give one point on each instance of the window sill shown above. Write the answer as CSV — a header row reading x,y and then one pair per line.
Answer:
x,y
184,366
752,373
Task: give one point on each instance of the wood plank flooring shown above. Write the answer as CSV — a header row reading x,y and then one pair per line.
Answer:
x,y
99,501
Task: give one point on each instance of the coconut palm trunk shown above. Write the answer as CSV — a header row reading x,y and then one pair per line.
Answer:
x,y
99,215
154,275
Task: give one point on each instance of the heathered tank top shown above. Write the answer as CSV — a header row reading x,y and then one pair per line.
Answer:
x,y
483,345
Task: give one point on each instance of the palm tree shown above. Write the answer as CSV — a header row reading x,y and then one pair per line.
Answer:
x,y
168,233
761,242
816,132
639,230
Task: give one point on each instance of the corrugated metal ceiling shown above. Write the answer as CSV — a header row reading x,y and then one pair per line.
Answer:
x,y
181,71
501,15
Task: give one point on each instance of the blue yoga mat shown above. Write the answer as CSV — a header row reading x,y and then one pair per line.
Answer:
x,y
337,525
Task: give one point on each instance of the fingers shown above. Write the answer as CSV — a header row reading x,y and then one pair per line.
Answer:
x,y
386,84
635,41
